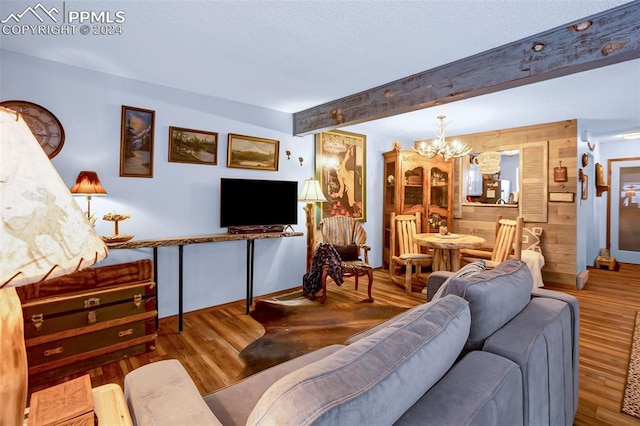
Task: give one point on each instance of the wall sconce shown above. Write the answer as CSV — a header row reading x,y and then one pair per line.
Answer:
x,y
300,159
288,154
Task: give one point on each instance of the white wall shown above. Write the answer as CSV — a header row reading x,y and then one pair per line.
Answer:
x,y
592,213
180,199
605,152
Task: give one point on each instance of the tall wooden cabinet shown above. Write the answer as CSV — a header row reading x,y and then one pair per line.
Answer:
x,y
414,183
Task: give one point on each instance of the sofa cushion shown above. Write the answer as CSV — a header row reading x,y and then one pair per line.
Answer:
x,y
349,252
481,389
233,404
162,393
354,384
495,296
466,271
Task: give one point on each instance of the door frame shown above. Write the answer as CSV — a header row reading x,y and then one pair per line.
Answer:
x,y
610,164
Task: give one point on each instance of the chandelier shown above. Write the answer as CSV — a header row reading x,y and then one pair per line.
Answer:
x,y
439,146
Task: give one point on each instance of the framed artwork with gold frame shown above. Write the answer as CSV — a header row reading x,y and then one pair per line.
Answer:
x,y
136,142
340,169
192,146
249,152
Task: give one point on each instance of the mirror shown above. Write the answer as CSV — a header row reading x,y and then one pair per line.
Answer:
x,y
492,177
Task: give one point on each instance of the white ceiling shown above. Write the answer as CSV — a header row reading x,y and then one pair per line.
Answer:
x,y
296,54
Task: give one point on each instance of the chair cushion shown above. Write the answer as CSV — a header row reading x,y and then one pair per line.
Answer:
x,y
352,386
466,271
349,252
495,296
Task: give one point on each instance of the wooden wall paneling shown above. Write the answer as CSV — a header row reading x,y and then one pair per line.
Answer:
x,y
560,225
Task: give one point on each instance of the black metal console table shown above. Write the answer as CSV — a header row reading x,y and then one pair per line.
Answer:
x,y
197,239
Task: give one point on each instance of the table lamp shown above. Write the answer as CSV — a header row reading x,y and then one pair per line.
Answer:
x,y
311,193
44,234
88,183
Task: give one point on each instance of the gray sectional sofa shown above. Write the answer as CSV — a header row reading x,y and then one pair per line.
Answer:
x,y
487,351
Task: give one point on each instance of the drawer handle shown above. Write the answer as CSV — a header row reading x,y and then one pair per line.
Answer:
x,y
137,300
37,320
91,302
54,351
92,317
124,333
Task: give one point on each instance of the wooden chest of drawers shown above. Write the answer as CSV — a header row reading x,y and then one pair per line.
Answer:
x,y
89,318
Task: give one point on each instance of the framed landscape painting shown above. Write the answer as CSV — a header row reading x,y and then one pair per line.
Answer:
x,y
340,168
136,142
248,152
193,146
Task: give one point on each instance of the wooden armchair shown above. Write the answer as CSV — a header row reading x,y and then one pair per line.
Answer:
x,y
508,244
405,251
349,238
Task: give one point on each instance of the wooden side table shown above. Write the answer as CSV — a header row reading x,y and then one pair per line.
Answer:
x,y
74,402
110,406
67,403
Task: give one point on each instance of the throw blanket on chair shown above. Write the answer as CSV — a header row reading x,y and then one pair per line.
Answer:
x,y
325,254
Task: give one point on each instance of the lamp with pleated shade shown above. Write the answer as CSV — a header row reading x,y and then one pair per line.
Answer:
x,y
88,183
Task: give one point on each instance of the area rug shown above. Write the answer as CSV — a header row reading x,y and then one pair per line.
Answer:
x,y
295,326
631,400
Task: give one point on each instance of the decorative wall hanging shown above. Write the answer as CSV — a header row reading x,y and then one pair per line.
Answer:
x,y
340,168
193,146
601,183
248,152
136,142
585,159
562,197
43,124
560,173
584,182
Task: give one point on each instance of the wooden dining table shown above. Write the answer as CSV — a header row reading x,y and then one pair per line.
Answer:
x,y
446,248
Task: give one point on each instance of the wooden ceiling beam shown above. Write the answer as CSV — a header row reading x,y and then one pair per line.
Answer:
x,y
606,38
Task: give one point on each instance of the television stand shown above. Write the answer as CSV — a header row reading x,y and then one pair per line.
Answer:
x,y
258,229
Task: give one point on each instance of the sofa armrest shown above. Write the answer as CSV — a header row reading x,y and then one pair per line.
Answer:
x,y
162,393
435,281
539,339
572,301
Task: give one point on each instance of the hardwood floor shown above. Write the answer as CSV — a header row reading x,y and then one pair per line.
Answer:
x,y
213,337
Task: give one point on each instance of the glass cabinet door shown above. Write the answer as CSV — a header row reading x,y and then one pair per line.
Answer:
x,y
439,188
438,199
413,190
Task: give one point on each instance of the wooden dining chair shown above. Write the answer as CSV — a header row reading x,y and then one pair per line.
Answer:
x,y
405,251
508,244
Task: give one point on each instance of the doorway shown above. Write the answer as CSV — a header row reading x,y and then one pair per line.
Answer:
x,y
624,209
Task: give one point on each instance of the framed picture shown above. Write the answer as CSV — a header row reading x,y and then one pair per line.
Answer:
x,y
136,142
248,152
193,146
563,197
340,168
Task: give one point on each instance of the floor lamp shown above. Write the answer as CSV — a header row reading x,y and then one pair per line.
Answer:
x,y
44,234
311,194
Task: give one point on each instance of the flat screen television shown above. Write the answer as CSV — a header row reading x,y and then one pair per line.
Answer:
x,y
255,202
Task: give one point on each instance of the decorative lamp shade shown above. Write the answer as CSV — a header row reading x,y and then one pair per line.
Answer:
x,y
311,192
44,232
88,183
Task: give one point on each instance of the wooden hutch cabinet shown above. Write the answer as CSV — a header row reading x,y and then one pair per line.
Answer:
x,y
413,183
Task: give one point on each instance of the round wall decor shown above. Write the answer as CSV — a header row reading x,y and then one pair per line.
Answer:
x,y
43,124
